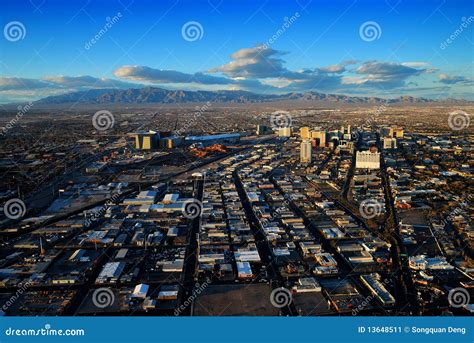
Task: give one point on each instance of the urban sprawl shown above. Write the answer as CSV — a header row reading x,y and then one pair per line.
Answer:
x,y
215,210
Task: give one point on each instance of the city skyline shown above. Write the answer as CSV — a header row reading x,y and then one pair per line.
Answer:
x,y
362,48
237,211
261,160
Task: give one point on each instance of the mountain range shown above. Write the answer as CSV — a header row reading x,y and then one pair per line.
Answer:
x,y
149,95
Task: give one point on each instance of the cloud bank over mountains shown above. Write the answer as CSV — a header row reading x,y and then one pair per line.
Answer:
x,y
258,69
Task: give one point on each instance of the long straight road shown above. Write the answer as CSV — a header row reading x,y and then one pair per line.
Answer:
x,y
406,293
191,258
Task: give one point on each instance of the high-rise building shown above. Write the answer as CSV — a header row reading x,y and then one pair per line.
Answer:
x,y
346,130
171,142
146,140
306,151
392,132
334,136
397,132
284,132
262,130
389,143
320,137
305,133
367,160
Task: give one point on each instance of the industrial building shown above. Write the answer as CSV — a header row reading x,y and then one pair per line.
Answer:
x,y
377,288
213,139
111,272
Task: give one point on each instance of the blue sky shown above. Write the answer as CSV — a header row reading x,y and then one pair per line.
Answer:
x,y
316,46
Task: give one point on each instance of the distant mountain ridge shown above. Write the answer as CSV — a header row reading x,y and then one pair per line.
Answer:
x,y
149,95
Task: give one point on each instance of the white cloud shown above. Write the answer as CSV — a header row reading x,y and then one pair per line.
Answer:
x,y
258,69
454,79
256,62
86,82
151,75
